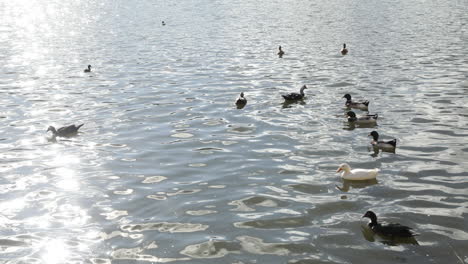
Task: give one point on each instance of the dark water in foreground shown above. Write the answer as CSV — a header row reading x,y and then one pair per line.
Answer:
x,y
166,169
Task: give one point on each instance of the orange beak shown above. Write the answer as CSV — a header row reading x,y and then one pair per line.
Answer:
x,y
339,169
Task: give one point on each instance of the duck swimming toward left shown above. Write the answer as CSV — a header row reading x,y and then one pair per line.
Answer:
x,y
363,105
389,230
66,131
88,69
382,144
357,174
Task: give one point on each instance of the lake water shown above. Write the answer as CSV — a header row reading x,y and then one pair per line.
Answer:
x,y
167,169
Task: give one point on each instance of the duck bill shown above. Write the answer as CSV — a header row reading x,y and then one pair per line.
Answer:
x,y
339,169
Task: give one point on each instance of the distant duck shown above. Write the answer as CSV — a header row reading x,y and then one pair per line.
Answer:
x,y
67,131
241,101
366,119
363,105
389,230
89,69
280,52
382,144
357,174
344,50
163,23
295,96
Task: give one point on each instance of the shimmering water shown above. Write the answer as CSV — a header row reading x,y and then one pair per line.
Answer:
x,y
166,169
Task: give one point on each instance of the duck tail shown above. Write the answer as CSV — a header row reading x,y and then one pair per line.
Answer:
x,y
366,103
78,127
285,97
393,142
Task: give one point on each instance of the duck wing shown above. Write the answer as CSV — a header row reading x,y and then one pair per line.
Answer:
x,y
241,101
391,142
362,174
394,230
367,118
68,130
292,96
359,105
372,116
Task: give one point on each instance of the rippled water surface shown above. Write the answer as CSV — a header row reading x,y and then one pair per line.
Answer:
x,y
167,169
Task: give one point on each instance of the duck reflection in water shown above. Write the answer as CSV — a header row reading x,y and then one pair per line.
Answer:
x,y
376,150
356,184
351,126
289,104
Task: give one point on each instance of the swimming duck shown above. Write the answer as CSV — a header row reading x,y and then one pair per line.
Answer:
x,y
241,101
67,131
344,50
295,96
163,23
366,119
382,144
357,174
280,52
89,69
391,230
363,105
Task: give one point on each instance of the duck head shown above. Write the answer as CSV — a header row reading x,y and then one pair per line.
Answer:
x,y
344,167
371,215
51,128
347,96
242,94
344,45
279,48
374,135
351,114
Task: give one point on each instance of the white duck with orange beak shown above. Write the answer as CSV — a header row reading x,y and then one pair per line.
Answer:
x,y
357,174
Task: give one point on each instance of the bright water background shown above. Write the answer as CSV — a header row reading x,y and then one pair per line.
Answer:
x,y
166,169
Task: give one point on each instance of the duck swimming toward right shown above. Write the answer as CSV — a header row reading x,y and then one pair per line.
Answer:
x,y
88,69
295,96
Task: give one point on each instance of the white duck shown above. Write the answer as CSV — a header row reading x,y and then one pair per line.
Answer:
x,y
357,174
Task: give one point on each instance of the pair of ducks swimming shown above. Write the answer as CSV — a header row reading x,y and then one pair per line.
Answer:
x,y
343,51
366,174
241,101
